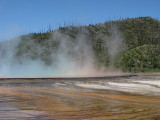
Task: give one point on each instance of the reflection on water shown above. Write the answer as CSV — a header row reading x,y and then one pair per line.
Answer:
x,y
135,98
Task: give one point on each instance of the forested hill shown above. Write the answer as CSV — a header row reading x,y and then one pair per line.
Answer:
x,y
129,44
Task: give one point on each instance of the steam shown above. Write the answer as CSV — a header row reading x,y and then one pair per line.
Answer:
x,y
115,44
73,56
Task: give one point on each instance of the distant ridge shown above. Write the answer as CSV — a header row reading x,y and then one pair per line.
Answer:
x,y
136,44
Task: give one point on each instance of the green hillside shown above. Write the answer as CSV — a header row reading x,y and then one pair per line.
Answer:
x,y
130,44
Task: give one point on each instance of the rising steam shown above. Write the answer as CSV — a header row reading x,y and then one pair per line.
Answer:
x,y
73,57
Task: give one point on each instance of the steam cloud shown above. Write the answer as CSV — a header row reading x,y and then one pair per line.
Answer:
x,y
115,43
74,57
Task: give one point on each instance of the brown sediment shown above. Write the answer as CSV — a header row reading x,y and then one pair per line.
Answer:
x,y
128,98
61,104
50,104
118,97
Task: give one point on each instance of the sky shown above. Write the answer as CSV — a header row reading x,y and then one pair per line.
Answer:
x,y
19,17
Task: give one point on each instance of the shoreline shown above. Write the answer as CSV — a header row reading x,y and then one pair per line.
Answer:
x,y
79,78
66,78
147,74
